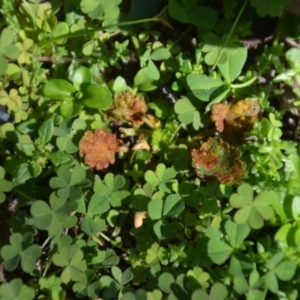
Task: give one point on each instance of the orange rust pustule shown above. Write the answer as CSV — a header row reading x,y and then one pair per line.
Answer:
x,y
232,120
216,159
128,107
99,148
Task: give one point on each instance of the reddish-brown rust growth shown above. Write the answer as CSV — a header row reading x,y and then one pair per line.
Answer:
x,y
128,107
99,148
234,119
216,159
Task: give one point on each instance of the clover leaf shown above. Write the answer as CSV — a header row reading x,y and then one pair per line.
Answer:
x,y
219,250
269,7
202,86
251,287
254,211
279,268
69,135
99,204
16,290
162,178
52,285
188,12
55,217
5,185
197,278
20,249
112,187
187,113
99,9
157,254
69,182
73,263
7,49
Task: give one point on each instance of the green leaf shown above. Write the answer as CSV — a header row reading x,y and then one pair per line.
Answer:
x,y
54,218
160,54
73,263
202,86
96,96
218,251
232,67
269,7
58,89
218,292
285,270
200,16
81,76
16,290
144,81
174,205
20,249
155,207
70,107
236,232
98,205
5,185
89,226
163,230
60,158
46,131
271,282
165,281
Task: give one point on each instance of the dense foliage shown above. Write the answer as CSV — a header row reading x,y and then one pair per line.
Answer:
x,y
148,150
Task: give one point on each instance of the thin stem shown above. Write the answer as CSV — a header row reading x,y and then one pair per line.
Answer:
x,y
46,242
81,33
22,194
244,84
175,133
230,32
113,243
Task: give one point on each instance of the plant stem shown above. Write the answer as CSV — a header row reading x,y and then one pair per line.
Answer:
x,y
230,33
81,33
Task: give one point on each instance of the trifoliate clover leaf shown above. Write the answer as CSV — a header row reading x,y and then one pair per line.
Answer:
x,y
202,86
52,285
121,277
187,113
73,263
269,7
99,9
254,211
5,185
279,268
112,186
27,49
219,250
160,139
16,290
197,278
20,249
7,49
161,178
69,182
54,218
69,135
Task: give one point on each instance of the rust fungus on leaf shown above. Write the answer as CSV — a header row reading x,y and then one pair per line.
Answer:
x,y
216,159
99,148
128,107
234,119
